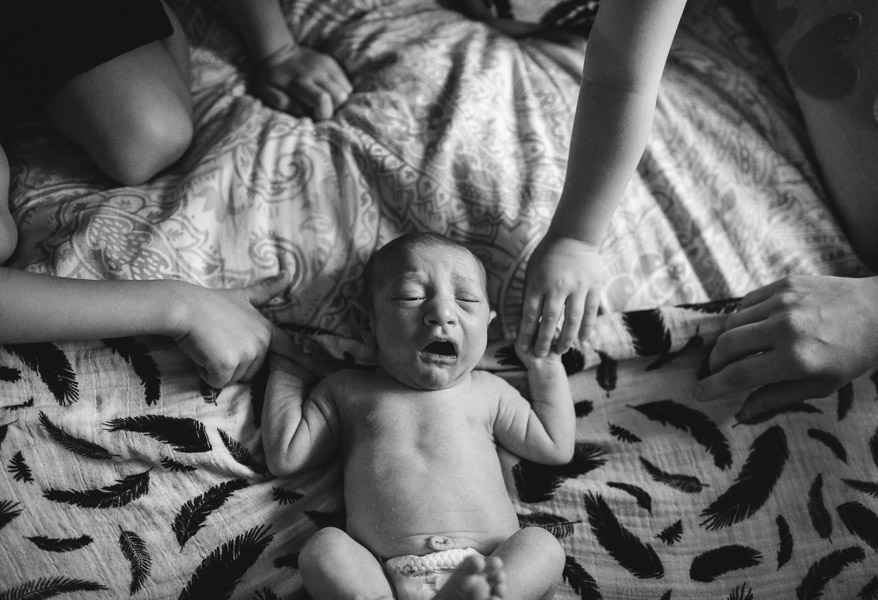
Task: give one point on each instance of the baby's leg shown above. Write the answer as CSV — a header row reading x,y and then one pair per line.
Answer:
x,y
131,114
336,567
475,579
8,230
533,560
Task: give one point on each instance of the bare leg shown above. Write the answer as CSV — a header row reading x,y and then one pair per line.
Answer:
x,y
132,114
533,560
336,567
8,230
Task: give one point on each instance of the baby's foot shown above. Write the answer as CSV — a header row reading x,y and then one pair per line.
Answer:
x,y
475,579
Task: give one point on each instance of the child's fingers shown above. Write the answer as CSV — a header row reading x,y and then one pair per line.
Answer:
x,y
592,304
530,320
262,291
552,309
775,396
574,312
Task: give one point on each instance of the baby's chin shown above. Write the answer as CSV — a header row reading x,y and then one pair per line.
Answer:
x,y
430,377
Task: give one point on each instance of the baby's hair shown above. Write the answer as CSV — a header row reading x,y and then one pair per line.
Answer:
x,y
397,246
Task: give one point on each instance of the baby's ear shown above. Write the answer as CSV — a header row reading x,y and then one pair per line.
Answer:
x,y
491,316
363,319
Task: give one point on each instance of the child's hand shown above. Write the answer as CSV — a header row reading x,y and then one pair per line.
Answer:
x,y
301,81
564,277
222,332
533,362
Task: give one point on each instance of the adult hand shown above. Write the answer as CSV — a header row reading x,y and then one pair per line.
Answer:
x,y
798,338
302,81
224,334
564,277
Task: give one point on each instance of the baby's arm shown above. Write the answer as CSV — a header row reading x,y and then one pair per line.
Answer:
x,y
288,77
299,429
220,330
543,430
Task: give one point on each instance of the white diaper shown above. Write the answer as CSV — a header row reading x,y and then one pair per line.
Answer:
x,y
420,577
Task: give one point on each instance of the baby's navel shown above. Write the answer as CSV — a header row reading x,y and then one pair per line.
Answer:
x,y
439,542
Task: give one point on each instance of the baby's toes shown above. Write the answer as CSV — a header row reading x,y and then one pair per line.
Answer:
x,y
495,575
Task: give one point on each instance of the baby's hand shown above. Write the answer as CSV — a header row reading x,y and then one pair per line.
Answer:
x,y
302,81
222,332
531,361
564,277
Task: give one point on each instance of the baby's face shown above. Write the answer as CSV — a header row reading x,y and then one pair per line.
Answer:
x,y
430,316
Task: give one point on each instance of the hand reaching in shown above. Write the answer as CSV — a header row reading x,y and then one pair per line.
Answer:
x,y
302,81
224,334
564,278
798,338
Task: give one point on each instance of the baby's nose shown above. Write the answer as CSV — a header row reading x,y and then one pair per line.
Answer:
x,y
441,313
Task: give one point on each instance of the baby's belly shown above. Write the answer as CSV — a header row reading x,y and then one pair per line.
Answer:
x,y
421,519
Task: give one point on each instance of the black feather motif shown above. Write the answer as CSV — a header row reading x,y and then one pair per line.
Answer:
x,y
870,590
606,373
667,595
137,355
76,445
860,521
560,527
181,433
191,516
693,343
219,573
634,555
537,483
867,487
26,404
125,490
677,481
283,496
9,509
648,331
622,434
60,544
50,362
830,441
711,564
507,356
742,592
580,581
134,549
573,361
48,587
826,568
287,560
19,469
845,400
820,517
785,547
694,422
671,534
9,375
327,519
644,500
175,466
241,454
798,407
754,484
208,392
583,408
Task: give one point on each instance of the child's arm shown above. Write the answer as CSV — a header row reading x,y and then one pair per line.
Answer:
x,y
299,429
220,330
624,59
288,77
543,431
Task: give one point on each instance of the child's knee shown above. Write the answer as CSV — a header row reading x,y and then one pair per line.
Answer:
x,y
153,143
546,546
322,544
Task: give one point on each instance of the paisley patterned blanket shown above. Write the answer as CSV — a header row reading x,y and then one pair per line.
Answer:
x,y
125,476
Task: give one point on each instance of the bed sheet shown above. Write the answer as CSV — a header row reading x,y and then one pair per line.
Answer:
x,y
124,475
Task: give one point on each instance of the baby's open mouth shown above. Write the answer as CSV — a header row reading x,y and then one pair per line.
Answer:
x,y
440,348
